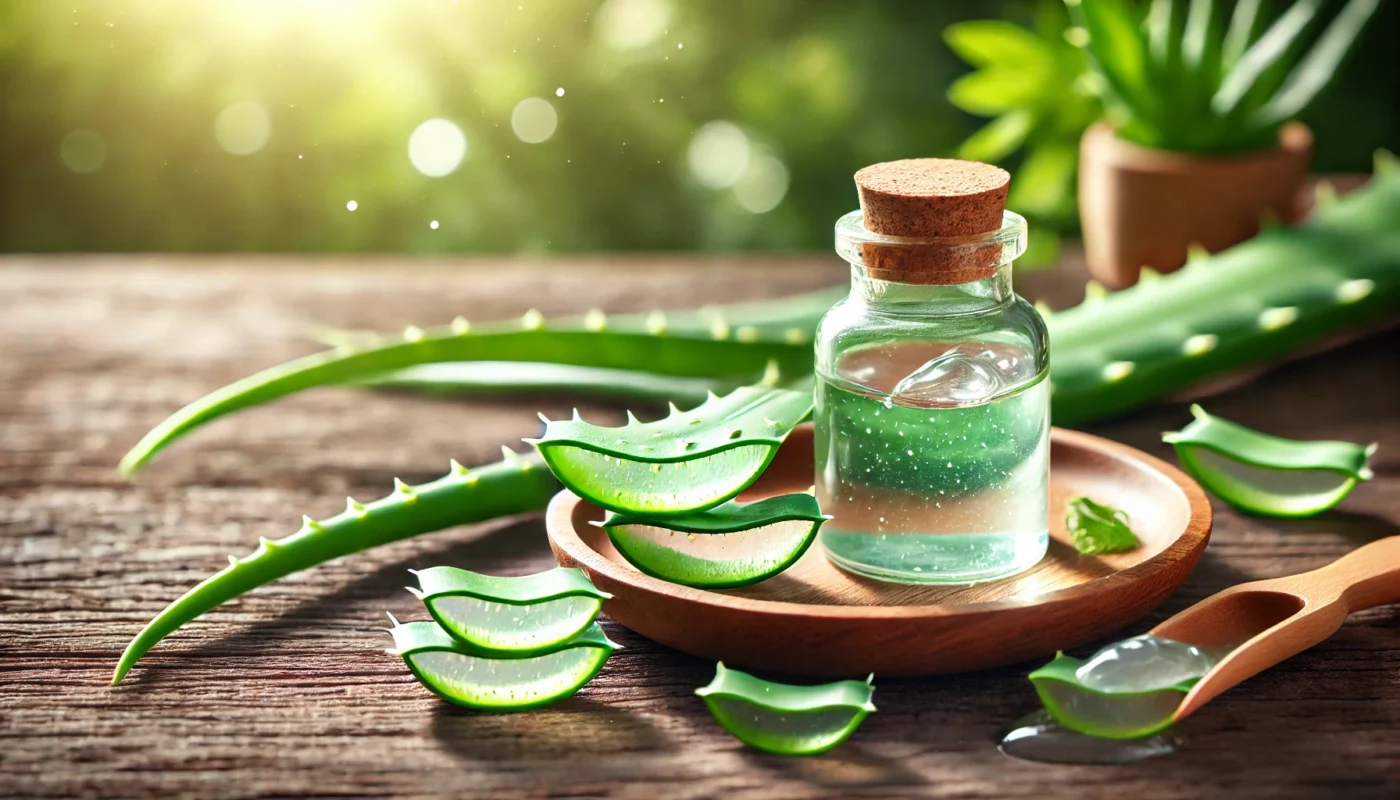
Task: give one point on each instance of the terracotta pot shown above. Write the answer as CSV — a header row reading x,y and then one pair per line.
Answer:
x,y
1139,206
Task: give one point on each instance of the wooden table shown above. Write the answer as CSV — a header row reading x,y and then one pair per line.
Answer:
x,y
287,691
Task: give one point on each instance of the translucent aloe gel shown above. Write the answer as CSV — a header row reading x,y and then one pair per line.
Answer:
x,y
932,405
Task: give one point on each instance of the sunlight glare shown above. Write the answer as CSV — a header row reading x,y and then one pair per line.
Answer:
x,y
533,120
437,147
243,128
718,154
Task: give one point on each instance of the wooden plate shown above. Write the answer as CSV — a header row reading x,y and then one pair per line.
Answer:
x,y
815,620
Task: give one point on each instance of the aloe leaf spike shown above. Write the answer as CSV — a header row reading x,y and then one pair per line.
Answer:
x,y
686,462
1265,474
488,680
526,614
510,487
732,544
783,719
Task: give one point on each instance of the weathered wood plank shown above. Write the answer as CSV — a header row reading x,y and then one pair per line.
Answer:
x,y
287,693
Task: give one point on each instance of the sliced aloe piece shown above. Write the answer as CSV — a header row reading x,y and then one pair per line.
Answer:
x,y
493,680
1127,690
689,461
526,614
732,544
1267,474
783,719
1096,528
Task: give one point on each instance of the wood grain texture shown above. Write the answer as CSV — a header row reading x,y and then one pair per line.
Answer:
x,y
287,692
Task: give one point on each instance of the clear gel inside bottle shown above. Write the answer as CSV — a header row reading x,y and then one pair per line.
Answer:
x,y
932,420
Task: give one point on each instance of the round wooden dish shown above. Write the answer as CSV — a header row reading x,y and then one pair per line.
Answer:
x,y
815,620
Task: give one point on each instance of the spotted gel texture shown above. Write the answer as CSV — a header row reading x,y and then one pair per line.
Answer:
x,y
509,626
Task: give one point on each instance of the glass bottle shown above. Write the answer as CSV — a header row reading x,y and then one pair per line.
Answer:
x,y
932,411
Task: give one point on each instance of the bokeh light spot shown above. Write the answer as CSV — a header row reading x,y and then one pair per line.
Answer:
x,y
533,120
82,151
719,154
630,24
351,206
559,92
433,224
243,128
437,147
763,185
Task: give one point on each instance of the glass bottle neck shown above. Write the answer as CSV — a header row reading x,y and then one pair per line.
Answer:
x,y
932,300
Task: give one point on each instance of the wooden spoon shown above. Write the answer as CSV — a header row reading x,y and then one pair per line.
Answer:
x,y
1264,622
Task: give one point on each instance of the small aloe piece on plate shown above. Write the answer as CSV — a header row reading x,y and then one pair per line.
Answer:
x,y
1096,528
732,544
1266,474
489,680
528,614
689,461
783,719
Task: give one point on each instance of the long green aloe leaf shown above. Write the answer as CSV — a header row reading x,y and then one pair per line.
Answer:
x,y
505,377
784,719
1263,63
522,614
493,681
688,461
732,544
670,355
513,486
1266,474
1317,68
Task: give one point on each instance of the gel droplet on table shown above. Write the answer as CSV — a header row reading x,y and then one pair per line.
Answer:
x,y
1143,664
1038,737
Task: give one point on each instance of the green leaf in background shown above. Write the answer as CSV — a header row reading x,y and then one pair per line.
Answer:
x,y
1044,184
1320,65
999,138
993,91
1118,47
991,42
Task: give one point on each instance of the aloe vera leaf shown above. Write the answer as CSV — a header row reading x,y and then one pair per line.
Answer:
x,y
1109,715
783,719
1251,304
732,544
488,680
688,461
1118,50
1244,24
1266,474
1095,528
1259,69
513,486
501,377
1317,68
525,614
670,355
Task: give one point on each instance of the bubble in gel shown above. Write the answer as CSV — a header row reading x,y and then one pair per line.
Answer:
x,y
1143,664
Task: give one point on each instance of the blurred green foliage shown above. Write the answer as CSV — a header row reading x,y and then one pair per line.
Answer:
x,y
121,120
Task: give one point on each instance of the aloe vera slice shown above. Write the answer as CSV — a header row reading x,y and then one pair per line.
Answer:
x,y
689,461
783,719
1110,715
1096,528
1266,474
732,544
489,680
526,614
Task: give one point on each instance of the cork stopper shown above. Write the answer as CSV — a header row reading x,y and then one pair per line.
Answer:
x,y
932,198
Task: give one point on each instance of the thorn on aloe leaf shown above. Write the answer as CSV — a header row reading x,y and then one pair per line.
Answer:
x,y
402,488
1148,275
1354,291
795,336
1275,318
719,329
632,418
1386,162
1324,193
595,320
1117,371
772,373
532,320
746,333
355,507
1200,344
1094,291
460,325
413,333
656,323
1196,254
1044,310
307,523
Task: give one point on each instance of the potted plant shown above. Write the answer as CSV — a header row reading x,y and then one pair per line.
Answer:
x,y
1198,143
